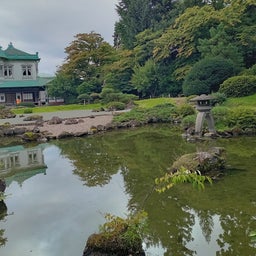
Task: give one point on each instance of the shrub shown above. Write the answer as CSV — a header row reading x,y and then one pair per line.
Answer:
x,y
28,111
116,106
242,117
85,98
218,98
159,113
185,110
95,96
207,75
137,114
27,104
188,121
220,114
249,71
239,86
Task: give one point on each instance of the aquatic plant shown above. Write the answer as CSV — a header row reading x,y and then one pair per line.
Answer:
x,y
182,175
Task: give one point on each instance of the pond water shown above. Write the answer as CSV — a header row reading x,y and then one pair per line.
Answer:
x,y
59,192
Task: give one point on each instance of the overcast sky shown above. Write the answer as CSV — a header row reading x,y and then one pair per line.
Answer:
x,y
49,26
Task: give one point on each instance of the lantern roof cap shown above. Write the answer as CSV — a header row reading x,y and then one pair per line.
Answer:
x,y
202,97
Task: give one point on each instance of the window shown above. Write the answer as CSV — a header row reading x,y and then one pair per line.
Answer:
x,y
14,160
26,71
27,96
32,157
2,97
1,71
7,71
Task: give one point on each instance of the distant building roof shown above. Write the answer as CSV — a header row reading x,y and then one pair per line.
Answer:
x,y
11,53
40,81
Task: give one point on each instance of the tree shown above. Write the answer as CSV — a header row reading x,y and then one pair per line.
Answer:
x,y
118,73
207,75
145,79
220,44
137,16
86,57
63,86
84,98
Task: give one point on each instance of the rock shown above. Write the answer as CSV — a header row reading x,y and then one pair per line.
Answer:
x,y
36,129
80,134
64,135
206,162
2,185
39,123
98,246
19,130
8,131
33,118
71,121
30,136
55,120
100,128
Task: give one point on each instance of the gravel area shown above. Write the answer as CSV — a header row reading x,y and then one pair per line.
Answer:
x,y
86,119
84,125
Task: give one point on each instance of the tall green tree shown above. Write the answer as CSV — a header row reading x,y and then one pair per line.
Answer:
x,y
86,57
145,79
221,44
118,73
138,15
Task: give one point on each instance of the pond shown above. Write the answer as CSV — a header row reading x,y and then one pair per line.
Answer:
x,y
58,193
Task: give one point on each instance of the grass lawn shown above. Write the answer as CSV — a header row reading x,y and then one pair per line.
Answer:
x,y
248,101
149,103
42,109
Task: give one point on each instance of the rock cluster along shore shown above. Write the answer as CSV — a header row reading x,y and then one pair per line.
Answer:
x,y
34,128
58,128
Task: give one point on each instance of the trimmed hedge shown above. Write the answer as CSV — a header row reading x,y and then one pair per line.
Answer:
x,y
239,86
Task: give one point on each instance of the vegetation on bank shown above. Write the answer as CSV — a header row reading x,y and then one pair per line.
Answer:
x,y
165,48
229,113
119,236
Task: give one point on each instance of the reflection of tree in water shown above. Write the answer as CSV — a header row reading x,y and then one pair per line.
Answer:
x,y
144,154
94,161
206,223
3,214
235,239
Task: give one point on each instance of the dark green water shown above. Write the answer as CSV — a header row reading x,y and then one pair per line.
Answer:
x,y
56,202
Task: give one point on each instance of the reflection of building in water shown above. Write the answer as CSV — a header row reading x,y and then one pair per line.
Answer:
x,y
19,161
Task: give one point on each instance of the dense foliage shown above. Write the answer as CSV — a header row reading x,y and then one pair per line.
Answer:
x,y
239,86
159,49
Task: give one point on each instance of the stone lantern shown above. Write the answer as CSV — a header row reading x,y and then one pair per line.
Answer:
x,y
203,105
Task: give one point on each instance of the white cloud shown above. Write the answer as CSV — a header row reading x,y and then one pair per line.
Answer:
x,y
49,26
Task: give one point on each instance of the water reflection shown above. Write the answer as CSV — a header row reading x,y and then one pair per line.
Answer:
x,y
18,163
3,214
54,213
86,177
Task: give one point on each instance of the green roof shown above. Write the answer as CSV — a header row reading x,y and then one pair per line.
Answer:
x,y
11,53
39,82
21,175
2,53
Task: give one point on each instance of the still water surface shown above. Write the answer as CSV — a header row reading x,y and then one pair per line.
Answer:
x,y
53,207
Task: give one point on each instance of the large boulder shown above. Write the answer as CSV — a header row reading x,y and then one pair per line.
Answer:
x,y
211,162
55,120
